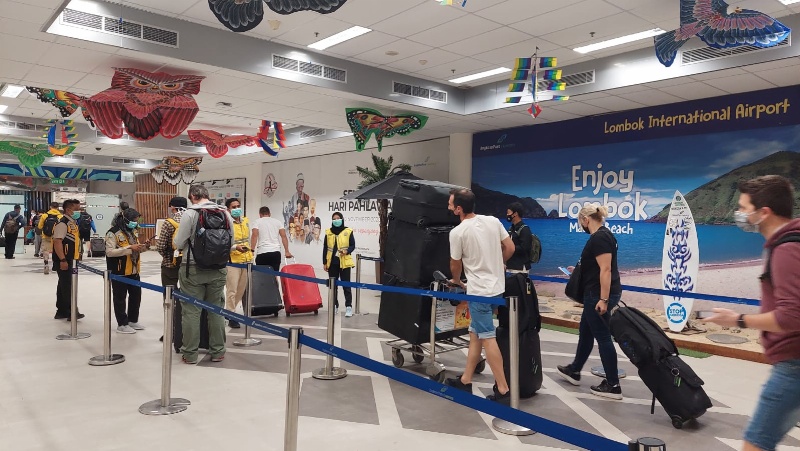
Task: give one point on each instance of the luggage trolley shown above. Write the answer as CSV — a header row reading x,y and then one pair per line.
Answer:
x,y
440,342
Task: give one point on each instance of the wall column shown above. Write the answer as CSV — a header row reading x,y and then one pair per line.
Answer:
x,y
461,159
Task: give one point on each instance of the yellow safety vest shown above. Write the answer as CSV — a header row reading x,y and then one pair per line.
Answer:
x,y
127,264
176,253
241,237
342,242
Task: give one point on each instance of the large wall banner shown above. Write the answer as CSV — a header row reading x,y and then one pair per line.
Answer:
x,y
634,162
221,190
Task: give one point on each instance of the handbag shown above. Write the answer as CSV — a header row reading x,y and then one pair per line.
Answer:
x,y
30,234
574,288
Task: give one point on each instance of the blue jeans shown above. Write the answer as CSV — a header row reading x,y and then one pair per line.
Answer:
x,y
778,407
482,323
595,327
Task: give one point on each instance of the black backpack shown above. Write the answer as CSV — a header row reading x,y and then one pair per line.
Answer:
x,y
211,244
788,238
85,223
49,224
640,338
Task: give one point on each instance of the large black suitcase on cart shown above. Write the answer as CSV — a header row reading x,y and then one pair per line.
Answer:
x,y
413,253
673,383
424,203
266,295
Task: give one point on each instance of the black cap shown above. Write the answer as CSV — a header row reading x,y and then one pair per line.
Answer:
x,y
131,215
178,202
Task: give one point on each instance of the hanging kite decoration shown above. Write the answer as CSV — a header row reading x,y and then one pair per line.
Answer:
x,y
218,144
526,75
65,146
29,155
145,104
66,102
244,15
712,22
366,122
176,169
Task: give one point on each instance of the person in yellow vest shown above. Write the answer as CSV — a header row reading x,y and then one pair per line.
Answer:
x,y
46,226
236,281
337,257
171,258
66,252
123,257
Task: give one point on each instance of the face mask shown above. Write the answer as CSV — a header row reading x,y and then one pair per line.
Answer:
x,y
236,212
741,221
586,228
338,222
132,225
510,217
76,215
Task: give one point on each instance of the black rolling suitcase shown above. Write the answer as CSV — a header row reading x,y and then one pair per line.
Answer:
x,y
530,323
266,295
673,383
424,203
97,246
413,253
177,328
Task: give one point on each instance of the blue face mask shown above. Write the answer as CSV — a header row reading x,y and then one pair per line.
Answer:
x,y
76,215
132,225
338,222
236,212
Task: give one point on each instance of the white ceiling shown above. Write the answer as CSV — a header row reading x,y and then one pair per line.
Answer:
x,y
484,35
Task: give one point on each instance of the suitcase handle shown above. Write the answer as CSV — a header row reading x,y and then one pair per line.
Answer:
x,y
410,184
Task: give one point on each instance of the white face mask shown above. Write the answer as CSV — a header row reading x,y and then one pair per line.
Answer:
x,y
744,224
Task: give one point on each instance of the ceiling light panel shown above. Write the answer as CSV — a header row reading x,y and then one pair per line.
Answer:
x,y
340,37
488,73
12,91
620,40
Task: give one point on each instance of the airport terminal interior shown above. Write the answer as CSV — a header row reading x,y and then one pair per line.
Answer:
x,y
333,109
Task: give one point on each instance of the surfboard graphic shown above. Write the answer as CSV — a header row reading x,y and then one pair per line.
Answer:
x,y
680,262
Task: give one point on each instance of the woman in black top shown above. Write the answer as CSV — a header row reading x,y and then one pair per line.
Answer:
x,y
601,293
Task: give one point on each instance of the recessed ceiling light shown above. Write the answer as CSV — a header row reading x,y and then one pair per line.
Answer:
x,y
392,53
620,41
488,73
789,2
11,91
340,37
3,108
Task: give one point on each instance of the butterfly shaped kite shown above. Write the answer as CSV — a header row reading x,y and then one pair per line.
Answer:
x,y
66,102
244,15
366,122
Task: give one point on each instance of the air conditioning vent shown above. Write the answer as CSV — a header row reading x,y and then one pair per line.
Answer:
x,y
72,157
710,54
8,124
25,126
572,80
128,161
312,133
119,27
309,68
189,143
419,92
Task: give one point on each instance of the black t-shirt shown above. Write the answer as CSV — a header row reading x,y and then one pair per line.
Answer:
x,y
522,237
601,242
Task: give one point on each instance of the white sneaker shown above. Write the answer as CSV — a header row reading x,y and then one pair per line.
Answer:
x,y
348,312
46,268
336,311
125,330
136,326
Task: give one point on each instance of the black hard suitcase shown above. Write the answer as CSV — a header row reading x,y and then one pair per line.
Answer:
x,y
413,254
97,246
177,328
424,203
266,295
673,382
530,360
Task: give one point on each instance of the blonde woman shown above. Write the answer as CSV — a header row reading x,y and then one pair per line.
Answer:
x,y
601,293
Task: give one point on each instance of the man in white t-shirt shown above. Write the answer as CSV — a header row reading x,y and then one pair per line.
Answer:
x,y
479,246
267,235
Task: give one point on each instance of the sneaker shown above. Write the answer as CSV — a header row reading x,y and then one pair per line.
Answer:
x,y
188,362
348,312
218,358
79,316
46,268
233,324
573,377
504,399
605,390
126,329
136,326
455,382
61,316
35,255
336,310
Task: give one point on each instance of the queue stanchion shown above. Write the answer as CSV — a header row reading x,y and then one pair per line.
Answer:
x,y
248,310
435,370
647,444
358,280
329,372
73,316
503,426
166,405
107,358
292,390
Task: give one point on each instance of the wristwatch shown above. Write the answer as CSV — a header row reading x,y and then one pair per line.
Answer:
x,y
604,300
740,322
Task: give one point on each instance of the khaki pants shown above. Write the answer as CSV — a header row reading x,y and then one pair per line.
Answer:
x,y
207,285
235,285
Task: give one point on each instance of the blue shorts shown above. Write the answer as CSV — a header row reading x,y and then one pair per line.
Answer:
x,y
482,322
778,409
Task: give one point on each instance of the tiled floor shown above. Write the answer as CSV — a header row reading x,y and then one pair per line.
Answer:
x,y
51,399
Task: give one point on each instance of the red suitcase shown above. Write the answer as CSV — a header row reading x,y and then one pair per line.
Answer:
x,y
300,296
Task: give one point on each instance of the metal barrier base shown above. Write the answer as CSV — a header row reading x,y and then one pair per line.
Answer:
x,y
601,372
155,408
504,427
78,336
101,360
335,373
247,342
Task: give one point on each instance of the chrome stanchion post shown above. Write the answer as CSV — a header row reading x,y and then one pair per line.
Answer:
x,y
292,390
435,370
329,372
107,358
166,405
647,444
248,309
358,280
73,316
499,425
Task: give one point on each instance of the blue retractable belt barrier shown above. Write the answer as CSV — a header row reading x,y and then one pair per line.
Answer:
x,y
550,428
268,270
374,259
679,294
90,269
137,283
418,292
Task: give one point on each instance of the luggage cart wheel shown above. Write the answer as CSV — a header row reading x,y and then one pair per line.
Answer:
x,y
417,354
439,377
316,312
275,315
288,314
677,422
480,366
397,358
